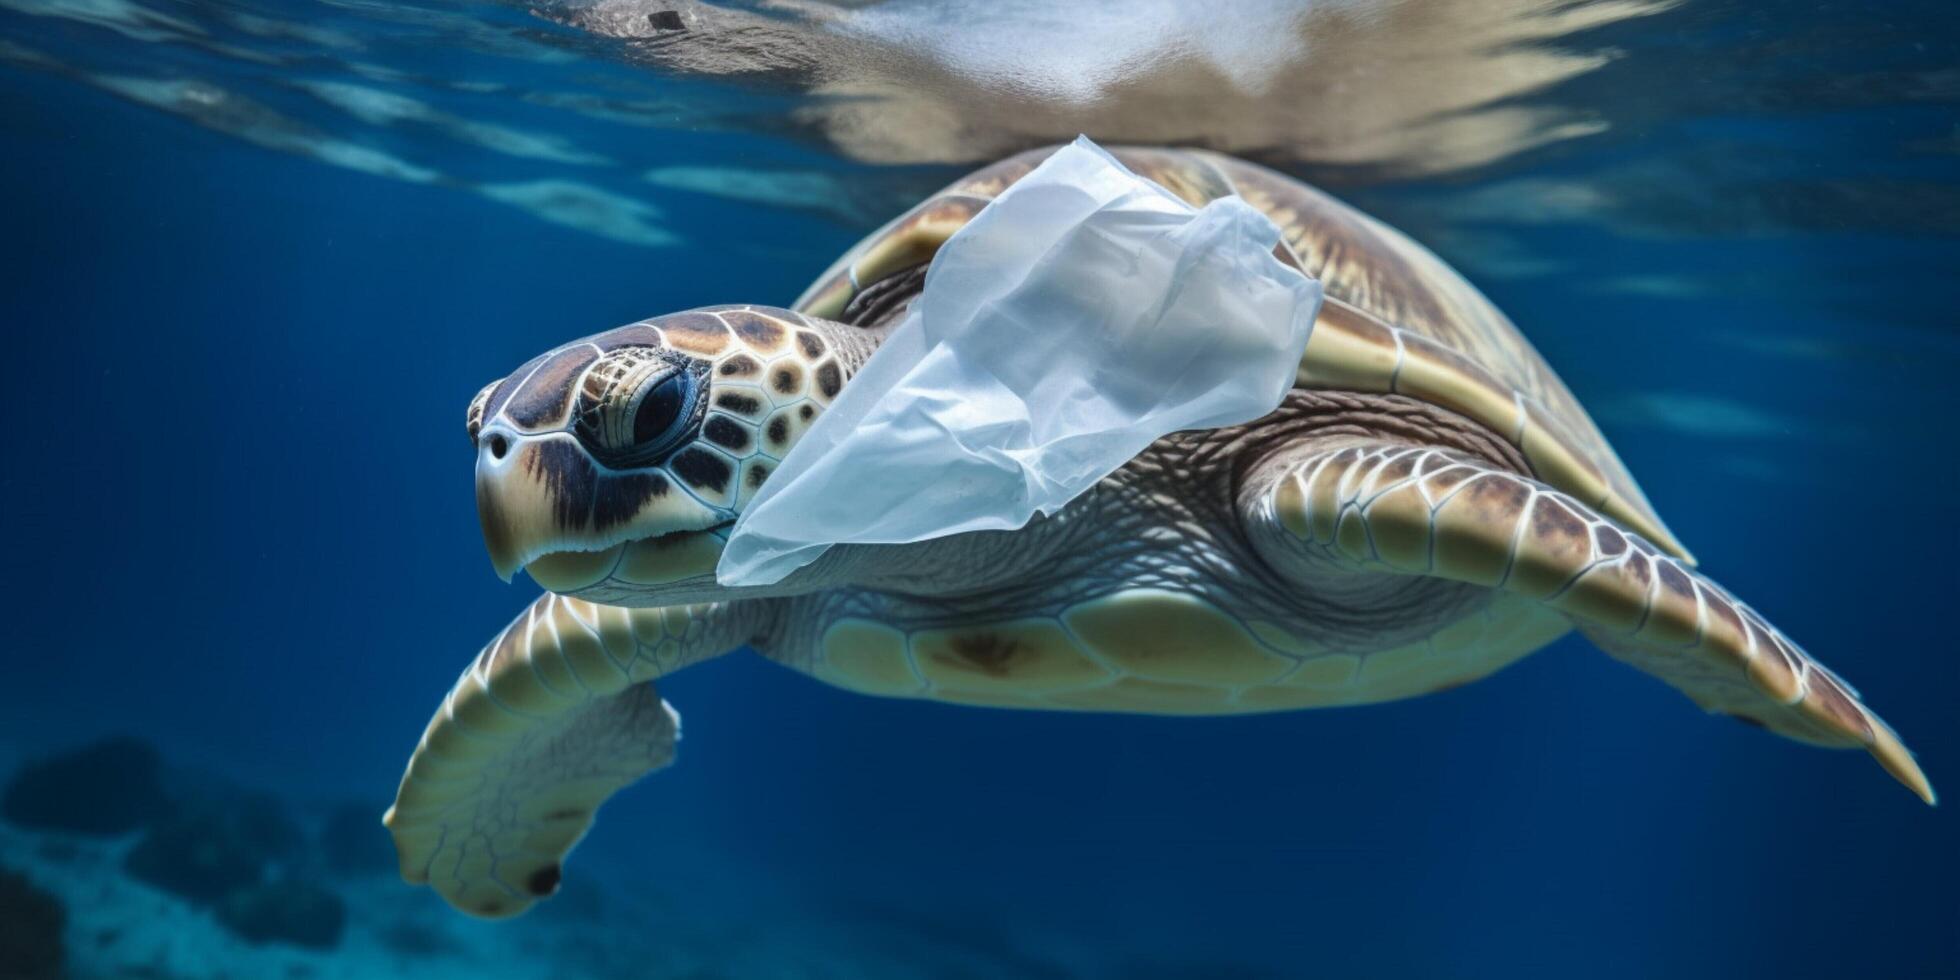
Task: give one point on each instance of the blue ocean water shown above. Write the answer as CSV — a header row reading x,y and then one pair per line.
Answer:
x,y
260,254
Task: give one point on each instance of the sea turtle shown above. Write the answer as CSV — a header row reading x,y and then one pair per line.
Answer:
x,y
1428,504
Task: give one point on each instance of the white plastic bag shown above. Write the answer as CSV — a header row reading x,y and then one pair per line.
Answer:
x,y
1078,317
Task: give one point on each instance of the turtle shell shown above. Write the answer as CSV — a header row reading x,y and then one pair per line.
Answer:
x,y
1397,319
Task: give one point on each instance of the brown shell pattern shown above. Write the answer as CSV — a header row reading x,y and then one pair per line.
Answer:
x,y
1363,265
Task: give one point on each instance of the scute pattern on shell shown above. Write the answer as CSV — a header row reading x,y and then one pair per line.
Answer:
x,y
1360,261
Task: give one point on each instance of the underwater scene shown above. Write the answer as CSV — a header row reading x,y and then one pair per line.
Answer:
x,y
280,276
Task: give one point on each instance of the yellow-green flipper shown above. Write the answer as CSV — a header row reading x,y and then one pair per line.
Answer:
x,y
1415,510
555,715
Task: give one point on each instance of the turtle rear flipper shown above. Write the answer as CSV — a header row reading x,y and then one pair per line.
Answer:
x,y
1425,511
553,717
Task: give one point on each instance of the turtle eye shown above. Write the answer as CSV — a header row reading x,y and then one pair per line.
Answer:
x,y
661,405
637,404
473,418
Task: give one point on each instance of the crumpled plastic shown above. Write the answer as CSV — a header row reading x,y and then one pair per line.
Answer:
x,y
1077,318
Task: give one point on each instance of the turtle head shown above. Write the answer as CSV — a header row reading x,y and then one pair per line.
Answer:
x,y
626,456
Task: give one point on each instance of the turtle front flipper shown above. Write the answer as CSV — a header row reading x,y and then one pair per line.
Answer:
x,y
554,716
1426,511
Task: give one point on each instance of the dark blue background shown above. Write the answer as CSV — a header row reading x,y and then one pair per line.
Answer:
x,y
237,512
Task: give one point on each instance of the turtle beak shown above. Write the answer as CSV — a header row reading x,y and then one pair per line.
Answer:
x,y
532,497
548,509
521,529
513,506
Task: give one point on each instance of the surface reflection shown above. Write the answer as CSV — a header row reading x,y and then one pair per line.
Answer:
x,y
1404,89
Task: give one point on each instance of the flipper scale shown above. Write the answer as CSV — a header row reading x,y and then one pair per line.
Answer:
x,y
1635,600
